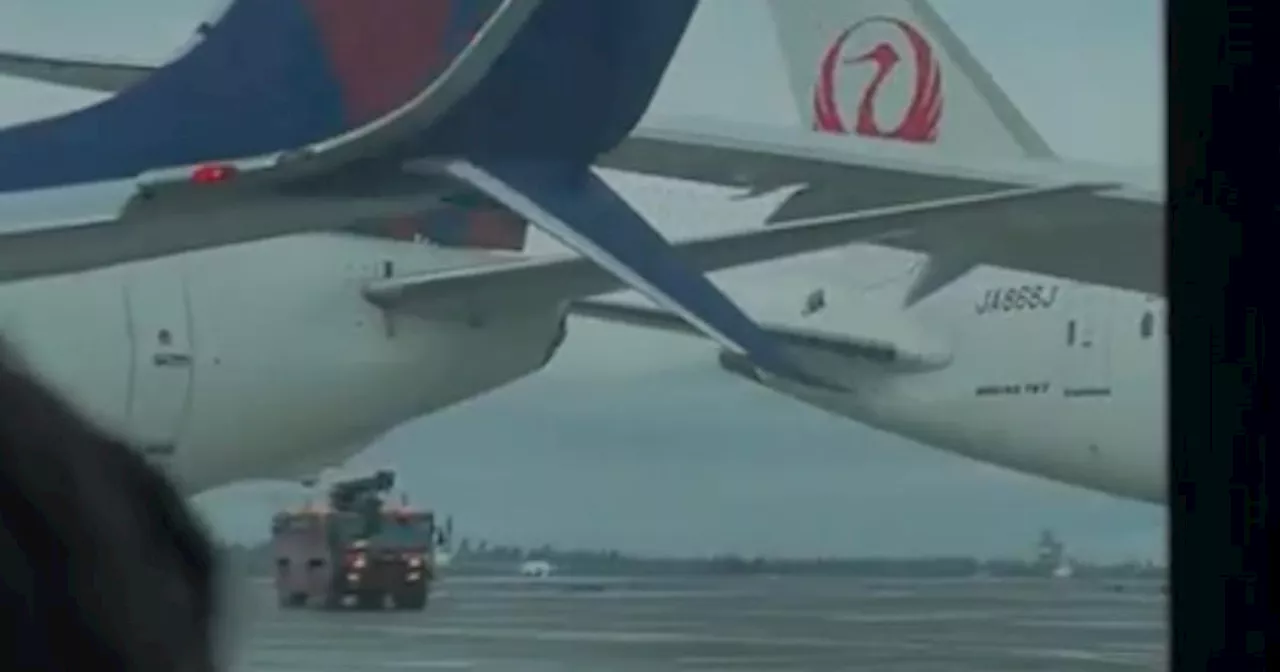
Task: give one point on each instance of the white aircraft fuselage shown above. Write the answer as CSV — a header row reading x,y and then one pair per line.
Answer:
x,y
1046,376
262,360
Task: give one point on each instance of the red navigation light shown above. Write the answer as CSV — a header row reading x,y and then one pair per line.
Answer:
x,y
211,173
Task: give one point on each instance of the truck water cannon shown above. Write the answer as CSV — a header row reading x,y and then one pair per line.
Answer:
x,y
359,495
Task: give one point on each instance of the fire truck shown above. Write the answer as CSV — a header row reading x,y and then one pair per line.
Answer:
x,y
358,550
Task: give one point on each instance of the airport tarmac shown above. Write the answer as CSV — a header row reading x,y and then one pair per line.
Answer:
x,y
732,624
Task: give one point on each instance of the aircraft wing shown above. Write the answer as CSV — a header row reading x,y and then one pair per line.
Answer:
x,y
43,245
505,285
94,75
1111,237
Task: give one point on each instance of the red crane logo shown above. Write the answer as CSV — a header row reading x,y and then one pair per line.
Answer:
x,y
920,118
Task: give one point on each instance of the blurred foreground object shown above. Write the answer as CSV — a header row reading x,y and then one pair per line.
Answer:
x,y
104,566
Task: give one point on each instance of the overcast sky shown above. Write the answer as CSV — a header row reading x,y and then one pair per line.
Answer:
x,y
576,458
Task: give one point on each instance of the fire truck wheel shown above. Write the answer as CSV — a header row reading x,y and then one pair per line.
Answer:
x,y
371,600
293,600
333,600
411,600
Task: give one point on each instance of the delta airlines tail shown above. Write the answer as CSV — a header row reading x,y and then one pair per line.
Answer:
x,y
894,70
278,119
268,75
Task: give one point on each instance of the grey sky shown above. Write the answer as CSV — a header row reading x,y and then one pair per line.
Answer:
x,y
576,458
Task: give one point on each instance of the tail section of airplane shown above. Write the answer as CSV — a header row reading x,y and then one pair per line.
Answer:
x,y
570,81
562,79
573,85
269,75
893,69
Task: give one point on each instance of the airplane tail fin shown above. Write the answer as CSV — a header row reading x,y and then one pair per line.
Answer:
x,y
893,69
268,75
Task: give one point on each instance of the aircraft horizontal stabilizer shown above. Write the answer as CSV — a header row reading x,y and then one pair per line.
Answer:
x,y
141,232
102,76
1111,237
512,286
578,208
838,356
881,352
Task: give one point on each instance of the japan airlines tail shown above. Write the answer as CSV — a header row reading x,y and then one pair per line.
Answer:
x,y
895,110
892,69
1043,369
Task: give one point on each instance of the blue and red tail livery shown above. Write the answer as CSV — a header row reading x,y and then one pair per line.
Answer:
x,y
379,54
273,75
384,52
570,86
270,75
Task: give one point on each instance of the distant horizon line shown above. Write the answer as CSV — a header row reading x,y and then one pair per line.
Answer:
x,y
516,552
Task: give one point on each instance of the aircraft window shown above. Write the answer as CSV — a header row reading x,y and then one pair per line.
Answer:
x,y
1148,325
1071,332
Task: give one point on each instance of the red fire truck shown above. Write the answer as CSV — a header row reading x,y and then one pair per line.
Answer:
x,y
357,550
